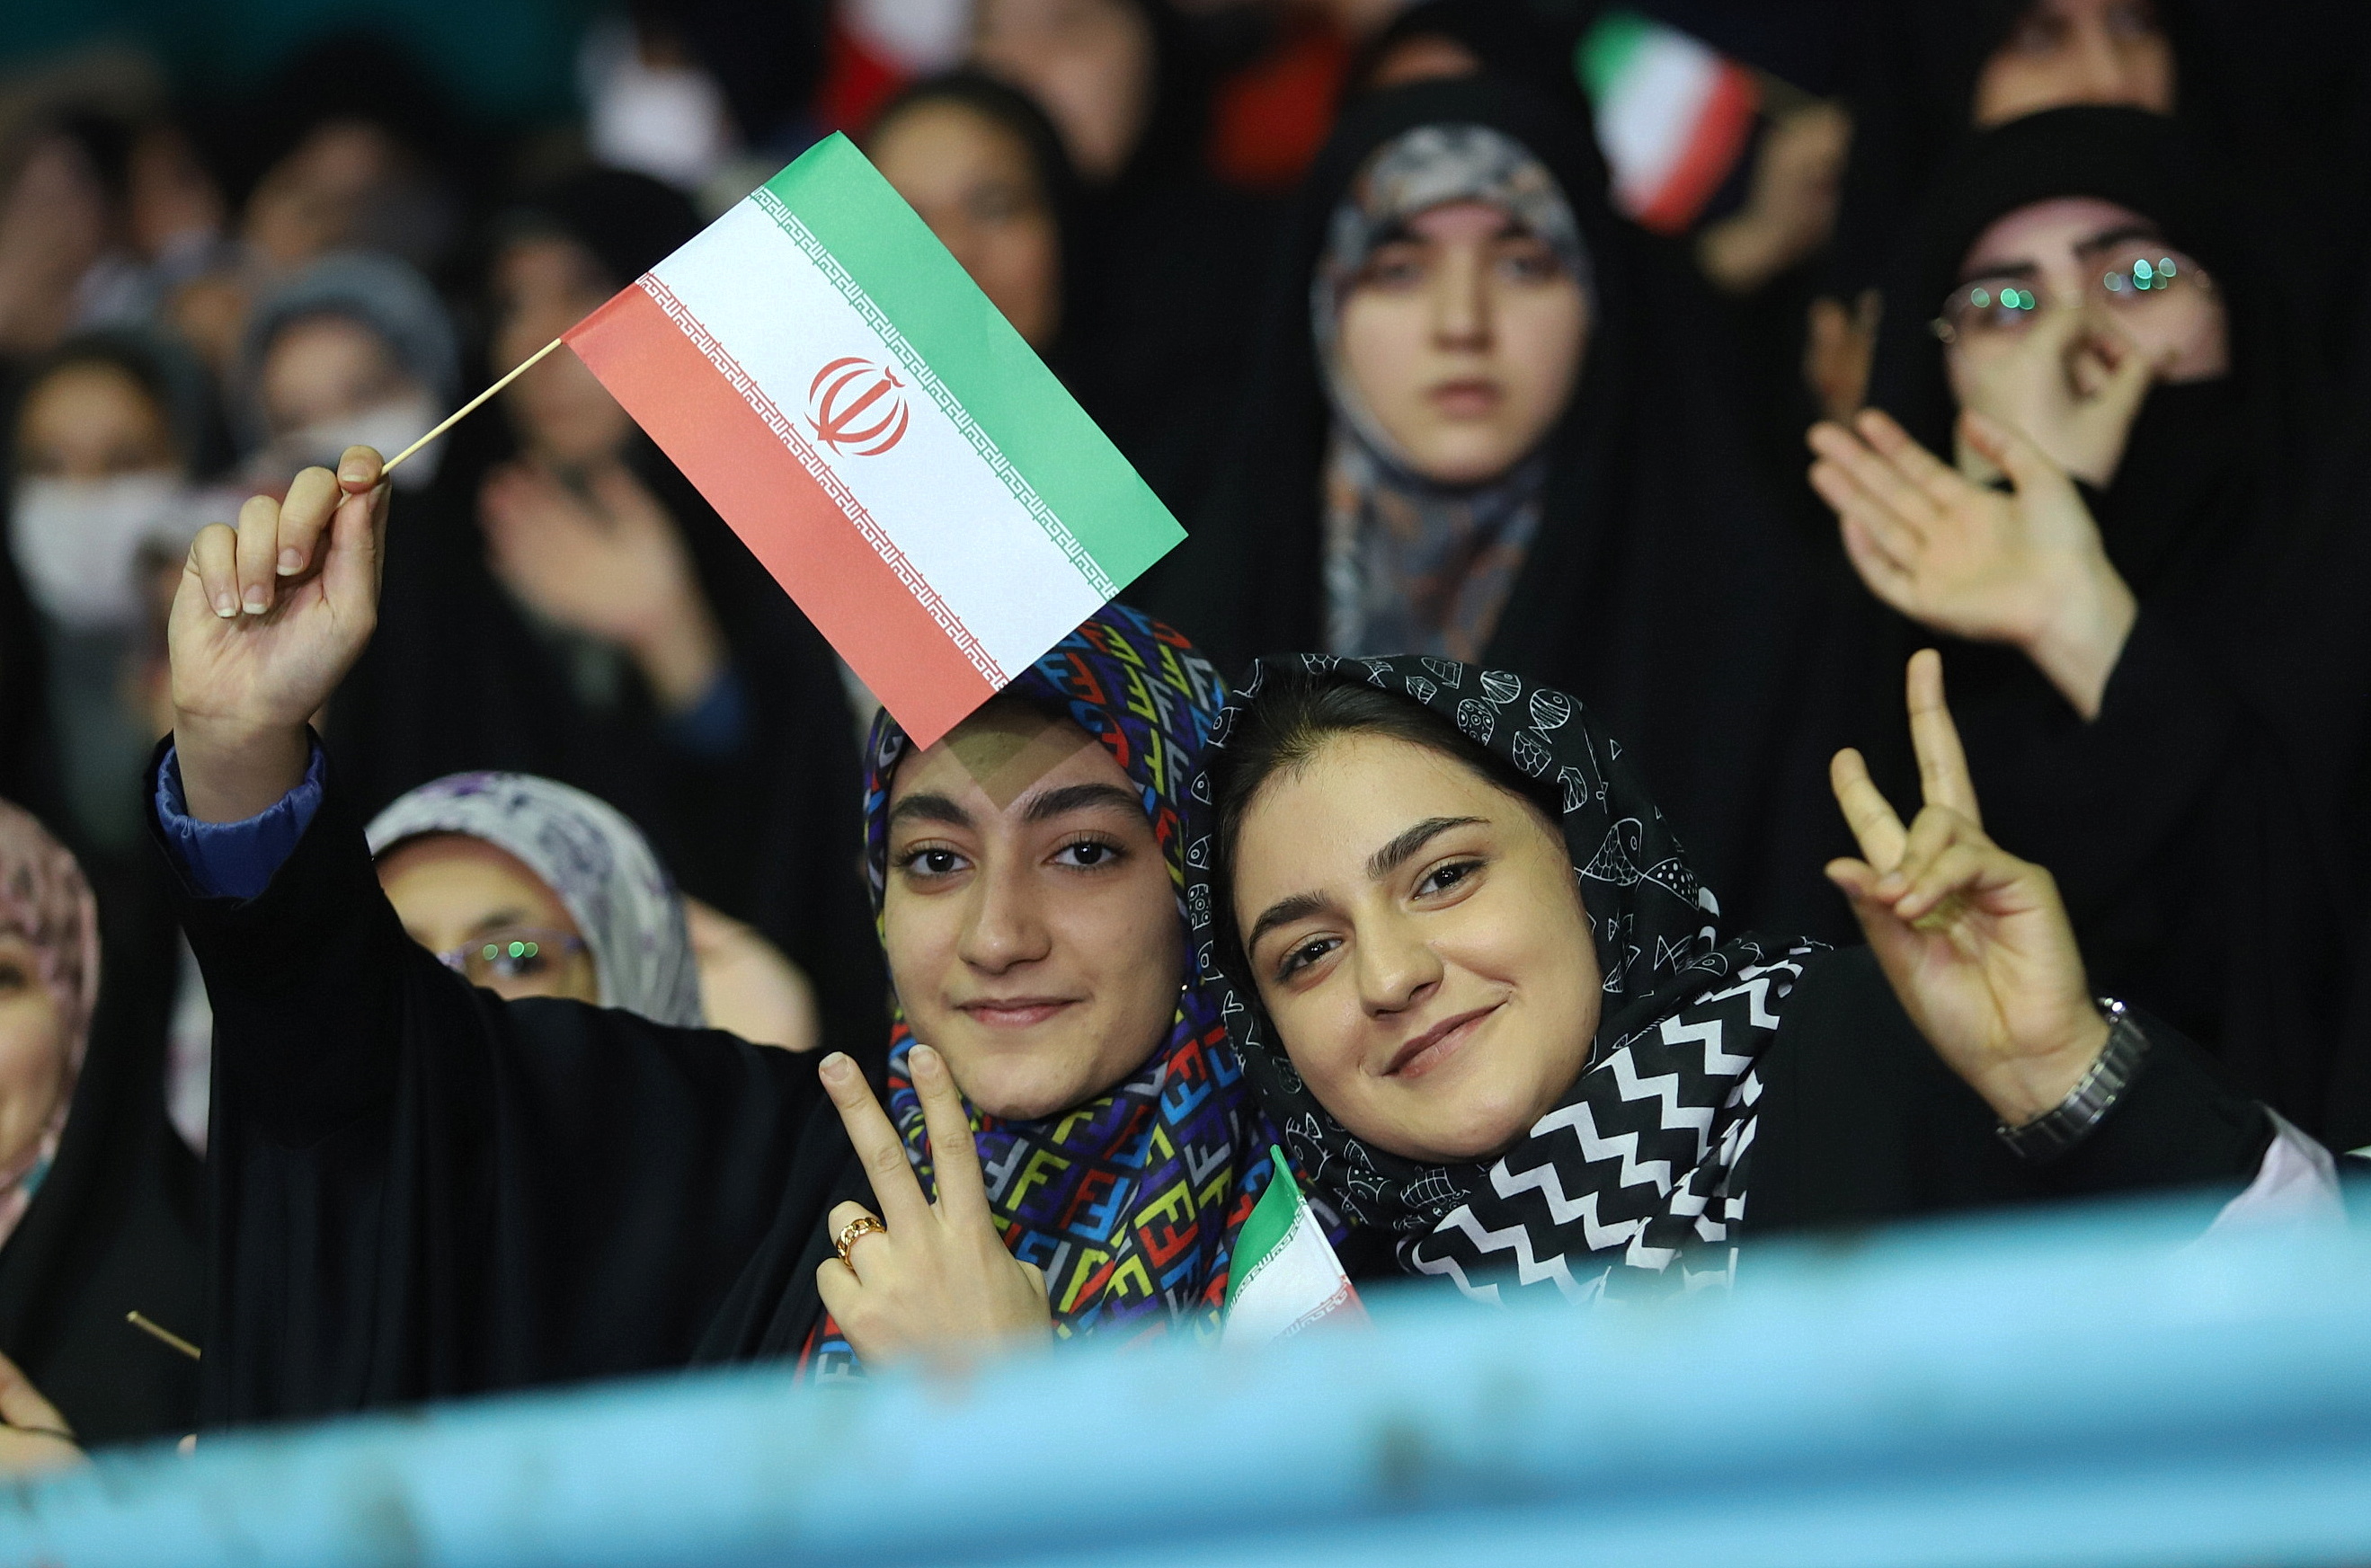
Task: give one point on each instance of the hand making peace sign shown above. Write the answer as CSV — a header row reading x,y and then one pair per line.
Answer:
x,y
1975,941
923,1278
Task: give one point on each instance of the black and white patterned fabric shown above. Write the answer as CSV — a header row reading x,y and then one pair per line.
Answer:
x,y
1643,1165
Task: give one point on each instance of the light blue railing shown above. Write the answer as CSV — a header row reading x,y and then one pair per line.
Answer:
x,y
2080,1389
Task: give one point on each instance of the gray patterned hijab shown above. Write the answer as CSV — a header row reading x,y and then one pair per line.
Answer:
x,y
596,862
1412,566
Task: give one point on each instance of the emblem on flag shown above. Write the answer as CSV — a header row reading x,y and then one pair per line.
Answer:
x,y
818,325
855,407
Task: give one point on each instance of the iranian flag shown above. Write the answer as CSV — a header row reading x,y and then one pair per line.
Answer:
x,y
878,435
1285,1276
1671,114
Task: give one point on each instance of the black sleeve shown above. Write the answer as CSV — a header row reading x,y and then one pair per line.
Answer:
x,y
1860,1122
421,1190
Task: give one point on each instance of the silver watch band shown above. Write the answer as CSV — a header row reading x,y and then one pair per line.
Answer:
x,y
2072,1120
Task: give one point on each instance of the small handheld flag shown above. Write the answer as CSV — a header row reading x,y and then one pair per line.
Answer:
x,y
879,436
1285,1277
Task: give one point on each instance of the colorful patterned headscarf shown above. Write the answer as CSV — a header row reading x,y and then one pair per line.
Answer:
x,y
597,864
45,900
1130,1202
1411,565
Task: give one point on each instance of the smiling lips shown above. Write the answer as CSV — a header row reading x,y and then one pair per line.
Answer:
x,y
1013,1012
1437,1045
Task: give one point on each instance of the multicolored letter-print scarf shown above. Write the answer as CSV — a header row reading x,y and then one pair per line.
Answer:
x,y
1129,1201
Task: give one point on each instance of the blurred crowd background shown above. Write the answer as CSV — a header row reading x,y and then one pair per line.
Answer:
x,y
236,236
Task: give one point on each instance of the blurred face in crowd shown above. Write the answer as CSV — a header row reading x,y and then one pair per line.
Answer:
x,y
454,892
32,1049
1416,935
971,179
2136,294
316,199
1088,64
543,286
89,419
55,221
1032,932
2062,52
323,369
1464,336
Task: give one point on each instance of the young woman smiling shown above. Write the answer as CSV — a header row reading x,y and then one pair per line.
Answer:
x,y
422,1189
1495,1011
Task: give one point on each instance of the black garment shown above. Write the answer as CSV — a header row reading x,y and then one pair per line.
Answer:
x,y
1167,263
423,1191
1662,588
27,763
2195,826
118,1224
1911,73
1511,40
458,677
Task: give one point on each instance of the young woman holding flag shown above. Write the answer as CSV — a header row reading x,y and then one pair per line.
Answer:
x,y
422,1189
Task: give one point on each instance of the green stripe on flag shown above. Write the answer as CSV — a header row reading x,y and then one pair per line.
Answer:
x,y
968,345
1266,1226
1608,48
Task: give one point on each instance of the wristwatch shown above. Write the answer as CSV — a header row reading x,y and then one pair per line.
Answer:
x,y
2073,1119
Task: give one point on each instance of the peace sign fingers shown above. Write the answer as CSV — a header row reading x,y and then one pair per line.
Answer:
x,y
1943,776
954,1157
903,1207
1874,827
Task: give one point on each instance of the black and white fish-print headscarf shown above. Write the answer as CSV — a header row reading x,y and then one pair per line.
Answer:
x,y
1642,1164
1410,563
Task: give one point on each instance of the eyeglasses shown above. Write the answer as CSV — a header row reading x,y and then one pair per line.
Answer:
x,y
2129,278
510,956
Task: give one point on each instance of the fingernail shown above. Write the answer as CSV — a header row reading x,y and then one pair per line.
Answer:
x,y
835,1067
256,603
924,1058
225,606
1891,882
291,562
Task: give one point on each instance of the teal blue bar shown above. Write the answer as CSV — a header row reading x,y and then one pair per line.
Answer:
x,y
2075,1390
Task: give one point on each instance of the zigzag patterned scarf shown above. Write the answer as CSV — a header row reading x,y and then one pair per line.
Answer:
x,y
1130,1202
1643,1165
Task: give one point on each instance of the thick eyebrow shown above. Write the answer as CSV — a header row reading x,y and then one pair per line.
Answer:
x,y
497,920
2019,270
1396,854
1079,797
1283,912
923,806
2122,234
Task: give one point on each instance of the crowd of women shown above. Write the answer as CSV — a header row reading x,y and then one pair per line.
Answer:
x,y
468,931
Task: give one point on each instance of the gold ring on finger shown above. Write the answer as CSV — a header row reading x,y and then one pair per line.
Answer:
x,y
863,1225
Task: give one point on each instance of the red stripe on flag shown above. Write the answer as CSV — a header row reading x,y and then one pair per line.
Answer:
x,y
790,522
1714,142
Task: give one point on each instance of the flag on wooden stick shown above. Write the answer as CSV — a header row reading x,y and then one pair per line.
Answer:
x,y
880,438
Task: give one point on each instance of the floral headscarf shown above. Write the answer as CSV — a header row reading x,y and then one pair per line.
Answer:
x,y
45,900
596,863
1130,1202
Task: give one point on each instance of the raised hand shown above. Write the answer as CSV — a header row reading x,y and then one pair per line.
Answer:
x,y
936,1282
611,566
2026,568
268,619
1974,941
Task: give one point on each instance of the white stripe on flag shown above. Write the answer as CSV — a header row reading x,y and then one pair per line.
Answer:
x,y
944,511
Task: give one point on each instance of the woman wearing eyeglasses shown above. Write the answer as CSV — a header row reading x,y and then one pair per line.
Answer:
x,y
528,887
2086,477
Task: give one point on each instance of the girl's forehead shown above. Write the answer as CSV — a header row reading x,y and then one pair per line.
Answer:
x,y
1005,751
2040,232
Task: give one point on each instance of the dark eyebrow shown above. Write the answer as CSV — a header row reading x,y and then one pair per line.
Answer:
x,y
926,807
2122,234
1077,797
2019,270
1283,912
1396,854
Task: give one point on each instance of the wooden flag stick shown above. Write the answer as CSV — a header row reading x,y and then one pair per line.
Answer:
x,y
456,415
165,1335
